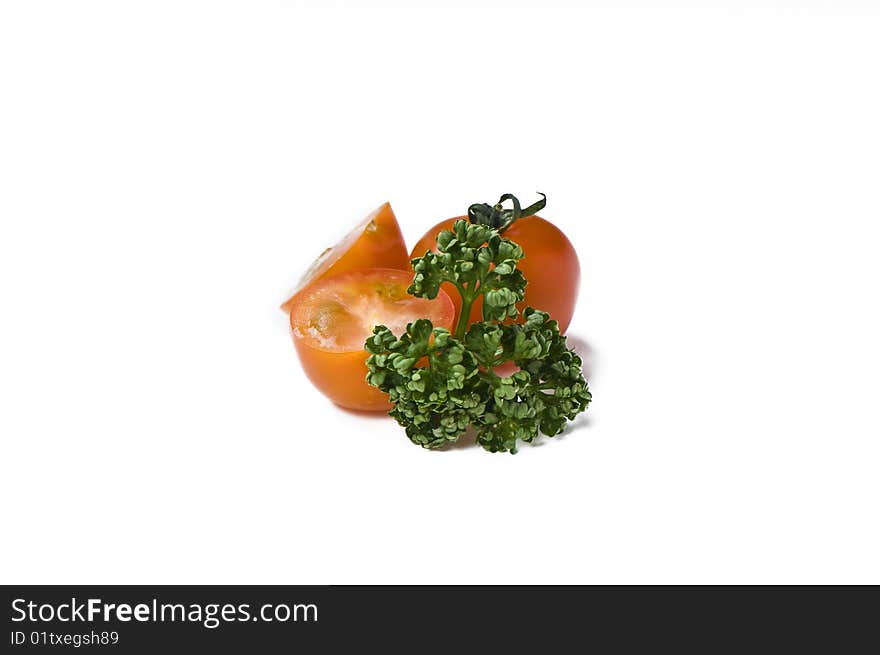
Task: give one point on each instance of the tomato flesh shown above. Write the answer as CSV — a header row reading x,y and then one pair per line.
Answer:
x,y
331,319
376,242
550,265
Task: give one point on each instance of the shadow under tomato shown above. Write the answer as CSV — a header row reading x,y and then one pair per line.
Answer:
x,y
383,413
580,422
587,354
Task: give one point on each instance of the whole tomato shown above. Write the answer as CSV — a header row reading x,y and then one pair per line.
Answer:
x,y
550,264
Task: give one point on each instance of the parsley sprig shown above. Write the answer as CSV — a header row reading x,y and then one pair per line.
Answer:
x,y
442,382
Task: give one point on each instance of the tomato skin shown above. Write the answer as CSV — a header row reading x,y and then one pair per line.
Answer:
x,y
341,377
335,360
376,242
550,265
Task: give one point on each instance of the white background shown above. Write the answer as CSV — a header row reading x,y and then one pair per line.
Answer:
x,y
168,170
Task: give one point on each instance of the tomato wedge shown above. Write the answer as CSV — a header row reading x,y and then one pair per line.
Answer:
x,y
376,242
332,318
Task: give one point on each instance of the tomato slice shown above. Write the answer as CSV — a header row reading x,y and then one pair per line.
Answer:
x,y
376,242
331,319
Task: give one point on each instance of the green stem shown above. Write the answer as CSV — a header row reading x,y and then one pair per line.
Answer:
x,y
489,376
497,217
467,301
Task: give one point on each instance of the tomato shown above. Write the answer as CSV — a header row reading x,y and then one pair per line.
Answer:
x,y
376,242
332,318
550,265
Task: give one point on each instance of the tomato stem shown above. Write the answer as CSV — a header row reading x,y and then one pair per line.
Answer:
x,y
499,218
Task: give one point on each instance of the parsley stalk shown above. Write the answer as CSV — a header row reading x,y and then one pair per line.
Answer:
x,y
467,301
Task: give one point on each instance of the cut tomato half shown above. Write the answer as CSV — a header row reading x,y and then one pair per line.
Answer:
x,y
332,318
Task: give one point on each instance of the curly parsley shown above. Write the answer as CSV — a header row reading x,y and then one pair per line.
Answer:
x,y
442,382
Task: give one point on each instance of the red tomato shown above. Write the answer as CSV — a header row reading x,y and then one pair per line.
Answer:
x,y
550,265
376,242
332,318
